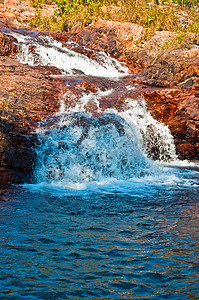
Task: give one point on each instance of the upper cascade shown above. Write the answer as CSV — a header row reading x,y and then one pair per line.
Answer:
x,y
46,51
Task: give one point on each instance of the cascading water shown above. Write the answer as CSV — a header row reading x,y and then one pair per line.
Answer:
x,y
109,213
98,146
83,147
48,52
87,148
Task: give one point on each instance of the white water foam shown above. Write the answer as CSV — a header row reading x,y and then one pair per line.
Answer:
x,y
48,52
105,152
155,137
165,178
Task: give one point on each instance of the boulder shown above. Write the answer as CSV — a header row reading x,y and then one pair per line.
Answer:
x,y
115,38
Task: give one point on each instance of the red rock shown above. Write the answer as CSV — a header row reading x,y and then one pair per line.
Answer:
x,y
7,45
11,2
115,38
182,117
27,96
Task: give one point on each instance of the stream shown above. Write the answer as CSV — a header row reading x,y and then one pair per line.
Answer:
x,y
110,212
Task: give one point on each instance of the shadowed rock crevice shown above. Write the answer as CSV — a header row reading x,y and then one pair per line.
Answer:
x,y
17,155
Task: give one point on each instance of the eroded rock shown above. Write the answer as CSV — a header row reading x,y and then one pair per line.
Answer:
x,y
173,67
179,109
108,36
27,96
7,45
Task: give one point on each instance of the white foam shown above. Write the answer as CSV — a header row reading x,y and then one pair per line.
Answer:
x,y
169,179
152,133
49,52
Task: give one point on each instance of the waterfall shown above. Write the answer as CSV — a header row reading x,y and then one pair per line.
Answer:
x,y
87,148
83,146
48,52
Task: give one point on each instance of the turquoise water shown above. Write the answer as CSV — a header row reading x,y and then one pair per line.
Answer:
x,y
124,240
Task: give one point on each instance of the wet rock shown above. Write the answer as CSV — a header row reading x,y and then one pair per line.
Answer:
x,y
17,151
27,96
167,79
7,45
179,110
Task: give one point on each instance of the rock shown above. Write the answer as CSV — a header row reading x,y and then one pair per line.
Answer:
x,y
114,38
118,39
11,2
27,96
187,83
17,150
17,13
179,109
7,45
167,79
173,67
148,52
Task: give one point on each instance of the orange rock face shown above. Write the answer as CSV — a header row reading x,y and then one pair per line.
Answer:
x,y
179,109
11,2
117,39
27,96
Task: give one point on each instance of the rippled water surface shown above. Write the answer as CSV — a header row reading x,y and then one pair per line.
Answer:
x,y
130,240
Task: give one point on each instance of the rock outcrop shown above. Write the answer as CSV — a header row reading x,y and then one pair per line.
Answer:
x,y
17,13
168,79
175,67
27,95
179,109
117,39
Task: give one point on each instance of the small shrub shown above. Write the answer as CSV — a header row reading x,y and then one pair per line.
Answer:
x,y
76,12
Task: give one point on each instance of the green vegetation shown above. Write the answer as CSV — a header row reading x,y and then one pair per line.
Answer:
x,y
178,15
76,12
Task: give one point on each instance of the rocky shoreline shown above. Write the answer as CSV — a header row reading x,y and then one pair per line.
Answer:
x,y
27,96
168,79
